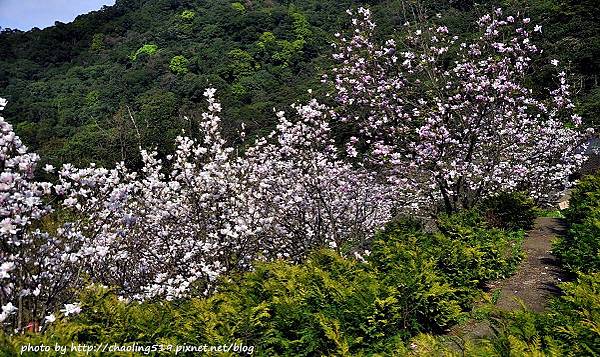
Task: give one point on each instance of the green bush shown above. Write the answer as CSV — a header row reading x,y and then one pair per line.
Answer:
x,y
410,273
188,15
511,211
570,327
579,249
148,50
584,199
239,7
467,253
179,65
499,249
577,315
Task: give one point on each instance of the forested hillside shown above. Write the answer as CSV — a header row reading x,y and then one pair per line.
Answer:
x,y
81,92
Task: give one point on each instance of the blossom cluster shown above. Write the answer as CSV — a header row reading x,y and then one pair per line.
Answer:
x,y
179,224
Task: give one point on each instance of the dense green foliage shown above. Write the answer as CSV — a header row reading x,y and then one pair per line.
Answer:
x,y
147,50
411,282
179,65
471,253
584,200
78,91
580,248
509,211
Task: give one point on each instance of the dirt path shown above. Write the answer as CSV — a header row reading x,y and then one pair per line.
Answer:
x,y
534,282
539,273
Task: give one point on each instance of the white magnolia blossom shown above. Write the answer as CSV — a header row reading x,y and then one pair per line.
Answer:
x,y
30,265
7,310
70,309
50,318
5,269
179,224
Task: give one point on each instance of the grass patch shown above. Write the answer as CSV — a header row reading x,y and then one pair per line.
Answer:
x,y
548,213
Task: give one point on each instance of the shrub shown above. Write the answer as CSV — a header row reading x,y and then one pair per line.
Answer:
x,y
509,211
499,250
579,250
188,15
409,272
465,251
577,315
340,306
584,199
148,50
239,7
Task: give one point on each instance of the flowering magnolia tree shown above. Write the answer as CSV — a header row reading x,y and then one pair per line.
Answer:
x,y
452,121
314,198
